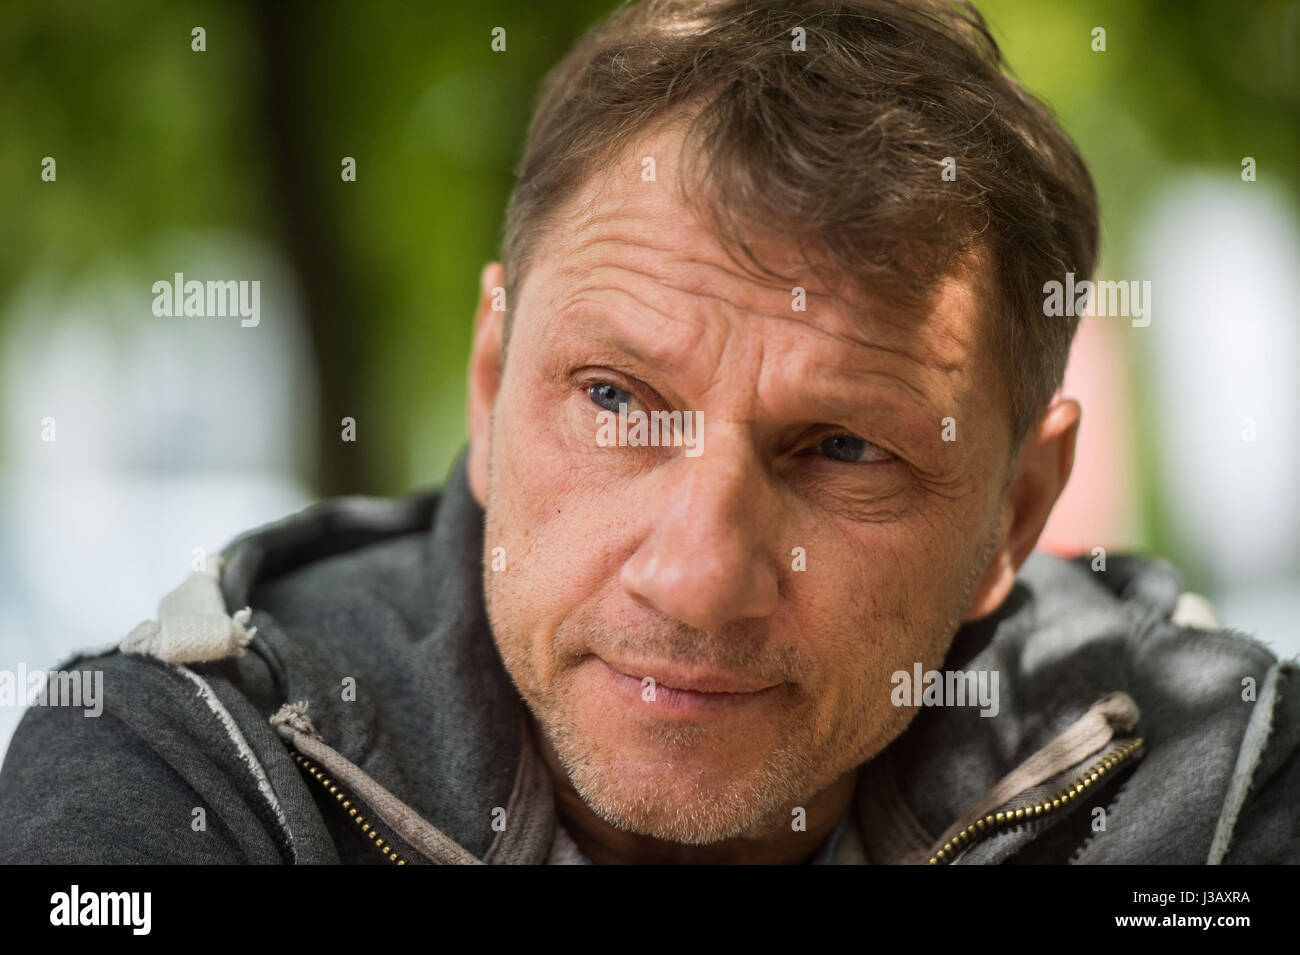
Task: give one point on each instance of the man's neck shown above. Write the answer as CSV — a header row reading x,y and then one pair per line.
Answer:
x,y
604,844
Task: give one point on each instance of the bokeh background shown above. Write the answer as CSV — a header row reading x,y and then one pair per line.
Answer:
x,y
177,433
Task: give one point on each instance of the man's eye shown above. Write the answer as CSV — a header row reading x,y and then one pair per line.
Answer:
x,y
608,396
852,449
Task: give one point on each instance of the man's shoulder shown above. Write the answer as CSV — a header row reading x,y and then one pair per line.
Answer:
x,y
180,762
1217,714
1129,618
1220,713
166,764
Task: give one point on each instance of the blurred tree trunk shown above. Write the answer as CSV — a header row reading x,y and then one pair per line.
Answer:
x,y
313,240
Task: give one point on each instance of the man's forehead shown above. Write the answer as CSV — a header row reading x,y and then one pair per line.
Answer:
x,y
637,200
626,272
624,235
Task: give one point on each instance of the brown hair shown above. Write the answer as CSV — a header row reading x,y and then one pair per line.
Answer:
x,y
841,145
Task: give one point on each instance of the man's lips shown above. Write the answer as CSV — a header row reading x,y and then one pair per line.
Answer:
x,y
676,693
704,682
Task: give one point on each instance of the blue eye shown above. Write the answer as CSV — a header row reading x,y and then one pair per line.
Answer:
x,y
607,396
852,450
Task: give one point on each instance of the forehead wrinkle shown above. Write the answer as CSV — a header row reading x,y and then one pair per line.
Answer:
x,y
583,243
683,232
772,289
592,318
653,350
730,303
657,280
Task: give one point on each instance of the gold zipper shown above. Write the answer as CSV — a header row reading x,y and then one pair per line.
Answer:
x,y
345,801
995,821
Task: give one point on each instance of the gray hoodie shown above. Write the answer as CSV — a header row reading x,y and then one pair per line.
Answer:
x,y
357,711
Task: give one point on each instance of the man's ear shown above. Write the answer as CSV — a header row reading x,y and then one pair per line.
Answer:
x,y
1040,473
484,375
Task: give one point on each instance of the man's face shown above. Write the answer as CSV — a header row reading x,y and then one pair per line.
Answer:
x,y
825,537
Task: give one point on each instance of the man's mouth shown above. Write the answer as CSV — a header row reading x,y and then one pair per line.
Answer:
x,y
693,681
664,688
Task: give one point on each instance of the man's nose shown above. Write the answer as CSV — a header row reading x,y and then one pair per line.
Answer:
x,y
705,560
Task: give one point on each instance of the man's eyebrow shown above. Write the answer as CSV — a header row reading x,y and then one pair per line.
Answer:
x,y
912,396
869,409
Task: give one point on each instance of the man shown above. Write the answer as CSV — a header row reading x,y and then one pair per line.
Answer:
x,y
737,566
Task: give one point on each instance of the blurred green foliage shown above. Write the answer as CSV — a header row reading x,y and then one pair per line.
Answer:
x,y
248,136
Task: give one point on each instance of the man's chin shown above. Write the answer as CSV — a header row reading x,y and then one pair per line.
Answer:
x,y
694,819
682,797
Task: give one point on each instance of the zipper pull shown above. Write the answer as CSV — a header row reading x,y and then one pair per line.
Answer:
x,y
1115,714
332,769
